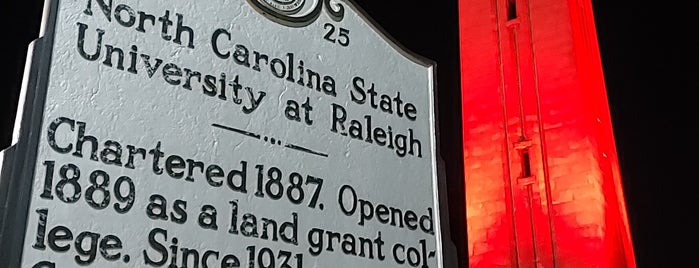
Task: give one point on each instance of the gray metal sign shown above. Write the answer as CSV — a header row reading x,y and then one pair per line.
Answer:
x,y
260,133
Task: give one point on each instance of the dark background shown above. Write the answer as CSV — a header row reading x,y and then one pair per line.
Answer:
x,y
648,56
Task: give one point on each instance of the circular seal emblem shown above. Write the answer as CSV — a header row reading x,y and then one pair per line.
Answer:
x,y
287,7
297,13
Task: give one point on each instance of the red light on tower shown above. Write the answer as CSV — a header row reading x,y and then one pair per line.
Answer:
x,y
543,187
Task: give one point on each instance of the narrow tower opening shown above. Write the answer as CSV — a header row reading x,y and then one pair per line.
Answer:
x,y
511,9
526,164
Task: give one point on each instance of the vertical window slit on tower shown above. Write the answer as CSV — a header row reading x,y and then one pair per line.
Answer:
x,y
526,164
511,9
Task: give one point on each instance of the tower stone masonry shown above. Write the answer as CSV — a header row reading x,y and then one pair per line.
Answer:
x,y
542,180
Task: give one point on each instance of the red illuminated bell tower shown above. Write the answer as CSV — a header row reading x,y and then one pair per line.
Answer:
x,y
543,187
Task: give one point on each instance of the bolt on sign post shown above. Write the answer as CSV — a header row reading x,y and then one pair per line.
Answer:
x,y
260,133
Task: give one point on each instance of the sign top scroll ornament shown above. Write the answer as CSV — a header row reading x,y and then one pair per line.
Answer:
x,y
298,13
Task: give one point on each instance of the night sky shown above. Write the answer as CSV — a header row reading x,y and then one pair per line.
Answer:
x,y
649,60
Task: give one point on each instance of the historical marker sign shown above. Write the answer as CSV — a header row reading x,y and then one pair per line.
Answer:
x,y
260,133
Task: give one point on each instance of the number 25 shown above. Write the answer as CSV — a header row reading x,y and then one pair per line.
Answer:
x,y
342,35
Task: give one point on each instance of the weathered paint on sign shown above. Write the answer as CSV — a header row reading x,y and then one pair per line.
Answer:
x,y
268,133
